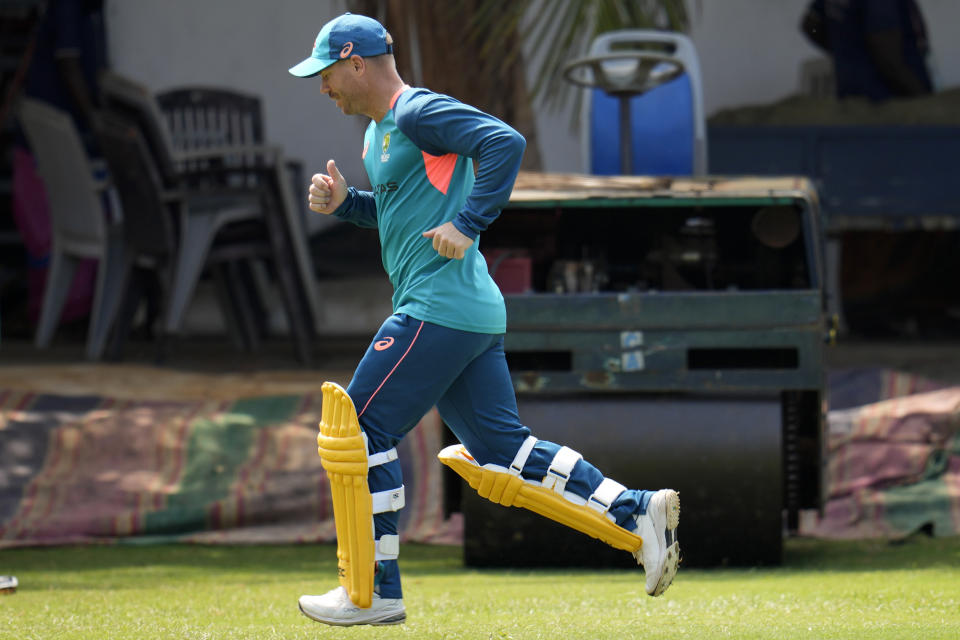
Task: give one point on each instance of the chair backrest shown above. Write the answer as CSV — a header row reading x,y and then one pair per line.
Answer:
x,y
132,100
148,223
230,124
668,127
76,207
210,117
216,119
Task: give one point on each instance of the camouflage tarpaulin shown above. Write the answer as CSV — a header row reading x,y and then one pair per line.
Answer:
x,y
85,469
894,463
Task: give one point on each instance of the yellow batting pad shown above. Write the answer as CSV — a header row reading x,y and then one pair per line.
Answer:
x,y
511,490
343,453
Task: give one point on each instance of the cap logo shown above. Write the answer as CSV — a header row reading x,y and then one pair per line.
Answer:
x,y
345,51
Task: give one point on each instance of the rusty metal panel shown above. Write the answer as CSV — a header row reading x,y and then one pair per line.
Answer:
x,y
558,382
666,310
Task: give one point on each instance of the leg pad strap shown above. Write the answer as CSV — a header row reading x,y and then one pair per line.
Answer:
x,y
388,547
603,497
389,500
561,467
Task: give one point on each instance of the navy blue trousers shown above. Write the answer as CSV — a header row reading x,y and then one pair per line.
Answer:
x,y
412,366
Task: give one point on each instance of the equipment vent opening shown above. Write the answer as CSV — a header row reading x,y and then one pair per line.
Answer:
x,y
540,360
743,358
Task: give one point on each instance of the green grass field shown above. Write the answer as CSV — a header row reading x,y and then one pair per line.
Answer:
x,y
824,590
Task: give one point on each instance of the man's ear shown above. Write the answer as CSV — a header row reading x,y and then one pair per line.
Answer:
x,y
359,64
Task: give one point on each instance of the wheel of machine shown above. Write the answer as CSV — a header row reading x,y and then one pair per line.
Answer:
x,y
722,454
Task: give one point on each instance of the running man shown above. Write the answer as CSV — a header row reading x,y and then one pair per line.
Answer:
x,y
443,345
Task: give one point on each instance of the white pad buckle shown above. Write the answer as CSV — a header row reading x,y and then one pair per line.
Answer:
x,y
522,454
560,469
608,491
388,547
377,459
389,500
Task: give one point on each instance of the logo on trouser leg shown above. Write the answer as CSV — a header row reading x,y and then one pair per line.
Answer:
x,y
383,345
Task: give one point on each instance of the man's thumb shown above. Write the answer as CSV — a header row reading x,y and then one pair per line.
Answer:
x,y
333,172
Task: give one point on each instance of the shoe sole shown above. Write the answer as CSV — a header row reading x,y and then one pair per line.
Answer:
x,y
395,618
671,513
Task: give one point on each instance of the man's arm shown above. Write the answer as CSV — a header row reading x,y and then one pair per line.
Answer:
x,y
448,241
886,49
886,30
67,19
329,194
440,125
71,75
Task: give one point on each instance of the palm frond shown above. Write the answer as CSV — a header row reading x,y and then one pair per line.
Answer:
x,y
561,31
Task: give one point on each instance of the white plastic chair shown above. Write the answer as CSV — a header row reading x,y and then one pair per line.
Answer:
x,y
206,209
80,227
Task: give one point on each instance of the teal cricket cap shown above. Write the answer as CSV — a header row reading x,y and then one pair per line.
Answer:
x,y
342,37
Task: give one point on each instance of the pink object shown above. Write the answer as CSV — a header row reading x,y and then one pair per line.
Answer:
x,y
511,270
31,214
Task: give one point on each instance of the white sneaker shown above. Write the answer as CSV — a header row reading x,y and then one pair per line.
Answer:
x,y
335,607
660,553
8,584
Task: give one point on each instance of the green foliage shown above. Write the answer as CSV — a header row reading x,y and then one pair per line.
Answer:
x,y
824,590
562,30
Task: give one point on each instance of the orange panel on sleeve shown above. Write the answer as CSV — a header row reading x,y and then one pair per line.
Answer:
x,y
440,170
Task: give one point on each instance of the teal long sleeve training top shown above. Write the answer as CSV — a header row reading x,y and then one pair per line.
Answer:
x,y
420,160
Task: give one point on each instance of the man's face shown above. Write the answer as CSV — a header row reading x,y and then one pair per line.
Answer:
x,y
339,83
